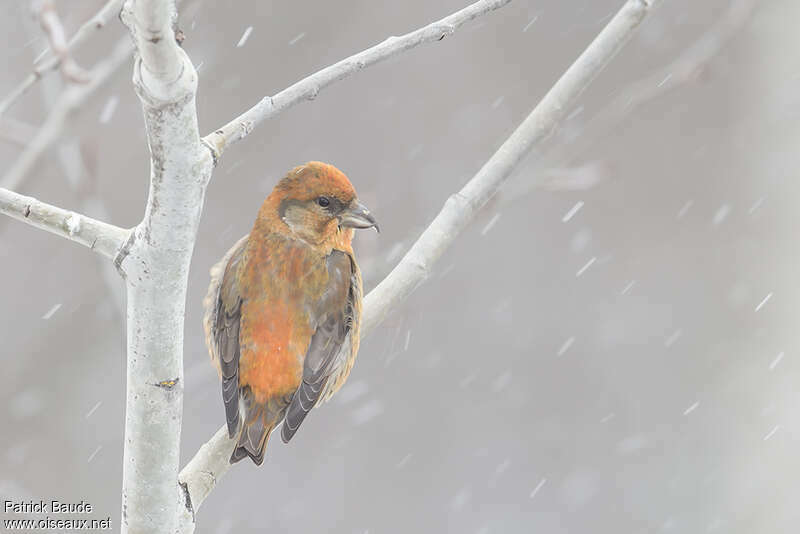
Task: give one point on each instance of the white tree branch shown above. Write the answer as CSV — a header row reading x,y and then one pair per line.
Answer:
x,y
73,98
50,62
210,463
155,262
309,87
103,238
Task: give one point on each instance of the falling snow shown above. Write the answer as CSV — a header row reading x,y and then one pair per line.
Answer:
x,y
51,311
572,211
91,456
628,287
755,206
460,499
538,487
502,382
665,80
721,214
297,38
771,432
675,336
565,346
685,209
776,361
529,24
585,267
691,408
490,224
395,252
94,409
245,37
761,304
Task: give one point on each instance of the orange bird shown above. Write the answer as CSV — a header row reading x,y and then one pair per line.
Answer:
x,y
283,309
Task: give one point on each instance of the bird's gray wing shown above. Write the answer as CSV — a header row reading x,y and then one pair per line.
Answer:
x,y
330,344
221,322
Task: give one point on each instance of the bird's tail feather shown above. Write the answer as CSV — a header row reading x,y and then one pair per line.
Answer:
x,y
257,422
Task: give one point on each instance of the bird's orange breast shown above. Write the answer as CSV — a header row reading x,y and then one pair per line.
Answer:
x,y
282,281
271,362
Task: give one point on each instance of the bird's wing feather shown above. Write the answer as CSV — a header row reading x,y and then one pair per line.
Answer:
x,y
221,323
331,343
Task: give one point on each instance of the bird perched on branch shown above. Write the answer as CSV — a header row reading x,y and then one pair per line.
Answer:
x,y
283,309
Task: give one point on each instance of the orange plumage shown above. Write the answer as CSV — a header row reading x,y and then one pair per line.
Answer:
x,y
283,309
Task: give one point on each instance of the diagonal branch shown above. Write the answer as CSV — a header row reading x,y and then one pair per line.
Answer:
x,y
52,62
210,463
101,237
73,98
309,87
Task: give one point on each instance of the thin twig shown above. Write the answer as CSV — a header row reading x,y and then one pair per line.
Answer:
x,y
51,24
73,97
203,472
51,62
308,88
101,237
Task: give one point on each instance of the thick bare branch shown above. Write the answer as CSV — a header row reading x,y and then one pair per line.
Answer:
x,y
162,60
202,473
73,97
50,62
309,87
155,262
101,237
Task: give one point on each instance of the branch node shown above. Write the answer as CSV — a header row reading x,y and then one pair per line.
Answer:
x,y
187,498
168,384
123,252
247,127
214,154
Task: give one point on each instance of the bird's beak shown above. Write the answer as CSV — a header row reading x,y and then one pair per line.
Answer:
x,y
357,216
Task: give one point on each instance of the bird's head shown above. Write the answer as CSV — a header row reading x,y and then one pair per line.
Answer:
x,y
316,200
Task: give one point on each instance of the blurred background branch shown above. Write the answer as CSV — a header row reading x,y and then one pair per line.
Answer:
x,y
559,165
73,97
53,58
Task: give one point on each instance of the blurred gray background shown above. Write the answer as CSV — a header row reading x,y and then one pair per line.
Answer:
x,y
655,391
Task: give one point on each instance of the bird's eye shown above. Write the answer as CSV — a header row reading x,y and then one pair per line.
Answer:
x,y
324,202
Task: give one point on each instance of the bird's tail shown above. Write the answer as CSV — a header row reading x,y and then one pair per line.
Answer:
x,y
257,422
